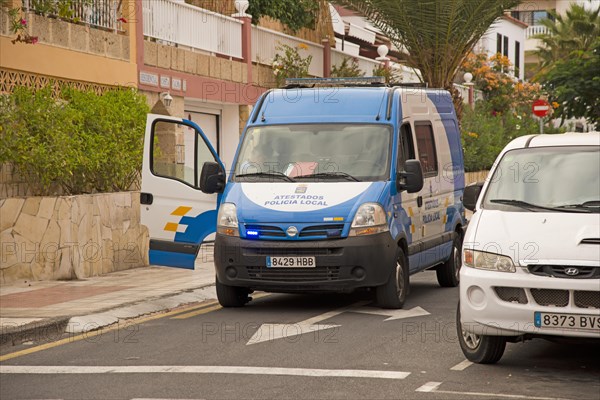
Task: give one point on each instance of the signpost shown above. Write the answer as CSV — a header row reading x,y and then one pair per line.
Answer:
x,y
541,108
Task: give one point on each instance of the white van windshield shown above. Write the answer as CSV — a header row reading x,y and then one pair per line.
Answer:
x,y
332,152
562,179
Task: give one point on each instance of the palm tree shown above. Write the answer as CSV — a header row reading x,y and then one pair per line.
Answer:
x,y
436,34
575,31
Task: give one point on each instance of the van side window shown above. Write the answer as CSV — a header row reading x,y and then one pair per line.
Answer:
x,y
426,148
407,147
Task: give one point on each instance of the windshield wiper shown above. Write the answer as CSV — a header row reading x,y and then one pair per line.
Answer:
x,y
586,205
272,174
531,207
328,175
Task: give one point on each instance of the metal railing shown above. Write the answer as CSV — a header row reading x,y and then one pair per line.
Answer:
x,y
191,26
105,14
265,43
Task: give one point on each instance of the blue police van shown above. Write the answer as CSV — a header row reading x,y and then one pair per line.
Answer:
x,y
337,185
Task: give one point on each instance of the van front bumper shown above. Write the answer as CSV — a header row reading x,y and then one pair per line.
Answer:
x,y
342,265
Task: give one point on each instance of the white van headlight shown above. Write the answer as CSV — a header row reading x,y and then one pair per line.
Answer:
x,y
490,261
227,221
369,219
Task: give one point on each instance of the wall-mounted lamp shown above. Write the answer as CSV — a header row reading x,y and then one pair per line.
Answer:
x,y
166,98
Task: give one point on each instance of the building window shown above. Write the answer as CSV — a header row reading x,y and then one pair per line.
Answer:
x,y
531,17
517,58
498,43
505,52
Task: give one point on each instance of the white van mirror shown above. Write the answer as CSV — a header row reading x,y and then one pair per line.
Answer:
x,y
471,195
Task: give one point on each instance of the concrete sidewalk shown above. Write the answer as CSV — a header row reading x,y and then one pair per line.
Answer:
x,y
26,308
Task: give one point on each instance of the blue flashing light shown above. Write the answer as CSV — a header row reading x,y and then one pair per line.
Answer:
x,y
252,234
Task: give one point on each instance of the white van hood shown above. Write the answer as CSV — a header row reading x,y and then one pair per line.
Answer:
x,y
537,237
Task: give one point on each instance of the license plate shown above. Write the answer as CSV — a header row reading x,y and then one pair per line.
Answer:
x,y
291,262
568,321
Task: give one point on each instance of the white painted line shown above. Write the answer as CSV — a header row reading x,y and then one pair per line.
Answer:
x,y
200,369
499,395
429,387
462,366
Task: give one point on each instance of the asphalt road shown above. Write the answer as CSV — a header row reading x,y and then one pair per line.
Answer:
x,y
347,349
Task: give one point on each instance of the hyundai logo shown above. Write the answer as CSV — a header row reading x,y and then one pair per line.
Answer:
x,y
572,271
293,231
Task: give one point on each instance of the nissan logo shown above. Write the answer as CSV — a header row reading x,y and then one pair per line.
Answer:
x,y
572,271
293,231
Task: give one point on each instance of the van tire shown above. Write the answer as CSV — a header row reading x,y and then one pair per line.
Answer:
x,y
231,296
448,272
480,349
393,293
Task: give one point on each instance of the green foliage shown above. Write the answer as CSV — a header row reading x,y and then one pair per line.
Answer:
x,y
391,76
570,61
295,14
576,31
347,69
81,142
290,64
486,132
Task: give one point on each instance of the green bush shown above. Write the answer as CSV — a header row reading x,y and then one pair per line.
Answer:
x,y
347,69
81,142
485,133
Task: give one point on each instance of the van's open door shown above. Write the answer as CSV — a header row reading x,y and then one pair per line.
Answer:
x,y
179,216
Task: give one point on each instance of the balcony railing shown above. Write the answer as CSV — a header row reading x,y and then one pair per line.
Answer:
x,y
533,30
266,41
194,27
98,13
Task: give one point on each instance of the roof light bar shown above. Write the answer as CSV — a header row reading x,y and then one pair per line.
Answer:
x,y
335,81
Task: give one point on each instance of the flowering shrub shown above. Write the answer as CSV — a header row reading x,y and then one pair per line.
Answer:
x,y
18,26
347,69
290,64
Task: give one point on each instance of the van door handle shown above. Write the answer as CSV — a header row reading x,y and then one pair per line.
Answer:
x,y
420,201
146,198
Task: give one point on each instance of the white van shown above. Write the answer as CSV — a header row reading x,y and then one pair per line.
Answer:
x,y
531,253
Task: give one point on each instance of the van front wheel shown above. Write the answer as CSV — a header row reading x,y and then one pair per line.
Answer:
x,y
448,272
231,296
393,293
480,349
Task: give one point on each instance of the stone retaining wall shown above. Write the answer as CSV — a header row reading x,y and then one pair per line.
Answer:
x,y
70,237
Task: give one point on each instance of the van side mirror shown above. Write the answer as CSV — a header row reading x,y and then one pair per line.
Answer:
x,y
411,179
471,195
212,178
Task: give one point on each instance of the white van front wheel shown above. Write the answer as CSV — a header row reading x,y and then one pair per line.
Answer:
x,y
480,349
393,293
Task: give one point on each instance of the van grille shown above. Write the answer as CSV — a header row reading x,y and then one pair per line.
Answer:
x,y
587,299
560,271
266,230
551,297
329,231
511,295
294,275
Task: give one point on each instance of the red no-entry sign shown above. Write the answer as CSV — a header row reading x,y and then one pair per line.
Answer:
x,y
541,108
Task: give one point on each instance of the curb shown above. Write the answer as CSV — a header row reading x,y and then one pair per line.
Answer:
x,y
50,329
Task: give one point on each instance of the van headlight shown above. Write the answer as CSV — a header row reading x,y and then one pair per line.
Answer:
x,y
489,261
227,221
369,219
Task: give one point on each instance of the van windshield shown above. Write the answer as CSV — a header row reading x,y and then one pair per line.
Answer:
x,y
315,152
561,179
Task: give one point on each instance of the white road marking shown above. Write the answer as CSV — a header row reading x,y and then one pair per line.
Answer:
x,y
202,369
462,366
269,332
429,387
499,395
392,314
